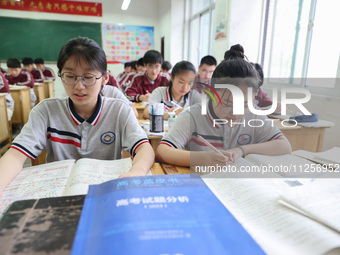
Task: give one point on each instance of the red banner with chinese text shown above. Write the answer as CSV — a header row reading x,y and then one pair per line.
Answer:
x,y
53,6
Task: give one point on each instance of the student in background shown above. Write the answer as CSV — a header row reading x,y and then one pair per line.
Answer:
x,y
143,84
177,95
127,69
84,125
124,83
3,70
206,69
166,67
114,92
47,71
37,73
140,66
232,138
4,88
235,51
19,77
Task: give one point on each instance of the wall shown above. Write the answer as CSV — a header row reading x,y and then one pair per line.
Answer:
x,y
164,26
143,13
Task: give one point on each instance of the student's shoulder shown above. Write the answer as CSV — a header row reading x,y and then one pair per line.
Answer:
x,y
165,76
51,106
159,90
115,103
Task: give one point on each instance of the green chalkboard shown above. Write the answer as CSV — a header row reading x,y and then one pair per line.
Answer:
x,y
21,38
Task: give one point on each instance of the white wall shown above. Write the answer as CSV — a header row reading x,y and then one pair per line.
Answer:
x,y
141,13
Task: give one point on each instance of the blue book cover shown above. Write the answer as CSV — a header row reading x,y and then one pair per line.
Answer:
x,y
161,214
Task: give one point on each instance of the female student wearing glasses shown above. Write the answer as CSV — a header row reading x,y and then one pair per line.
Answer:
x,y
84,125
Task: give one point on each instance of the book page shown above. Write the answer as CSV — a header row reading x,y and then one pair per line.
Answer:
x,y
93,171
278,230
319,200
331,156
47,180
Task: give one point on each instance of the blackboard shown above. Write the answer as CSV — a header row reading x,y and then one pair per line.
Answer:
x,y
21,38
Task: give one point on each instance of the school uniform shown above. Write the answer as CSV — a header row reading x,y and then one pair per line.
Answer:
x,y
4,88
140,84
37,75
121,76
262,99
49,73
126,81
200,84
190,123
114,92
3,70
25,78
164,95
55,126
113,81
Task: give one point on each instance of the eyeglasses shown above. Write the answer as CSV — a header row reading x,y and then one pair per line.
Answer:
x,y
71,79
205,72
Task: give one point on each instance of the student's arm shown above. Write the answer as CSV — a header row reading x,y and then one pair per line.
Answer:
x,y
146,113
142,162
185,158
134,110
278,146
10,166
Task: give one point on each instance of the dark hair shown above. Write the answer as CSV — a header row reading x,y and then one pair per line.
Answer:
x,y
235,71
208,60
39,61
85,49
140,62
152,57
235,51
133,65
259,70
27,61
127,64
181,67
166,65
13,63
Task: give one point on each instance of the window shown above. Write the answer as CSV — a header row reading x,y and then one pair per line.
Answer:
x,y
301,41
201,29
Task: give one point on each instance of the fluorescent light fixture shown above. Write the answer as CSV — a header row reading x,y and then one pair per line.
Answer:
x,y
125,5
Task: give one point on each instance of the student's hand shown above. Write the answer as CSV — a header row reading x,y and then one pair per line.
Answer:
x,y
207,158
132,172
178,111
233,154
145,98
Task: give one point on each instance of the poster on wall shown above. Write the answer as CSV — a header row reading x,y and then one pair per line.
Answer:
x,y
126,43
221,19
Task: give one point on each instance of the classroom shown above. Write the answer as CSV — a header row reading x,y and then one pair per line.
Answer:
x,y
295,46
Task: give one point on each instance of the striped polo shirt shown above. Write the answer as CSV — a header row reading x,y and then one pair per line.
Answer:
x,y
163,95
55,126
190,123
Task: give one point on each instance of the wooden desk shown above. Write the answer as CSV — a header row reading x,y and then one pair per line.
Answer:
x,y
171,169
49,89
5,127
40,92
22,104
140,108
303,138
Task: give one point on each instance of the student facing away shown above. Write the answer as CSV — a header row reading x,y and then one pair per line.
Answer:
x,y
19,77
143,84
84,125
47,71
178,94
37,73
4,88
233,139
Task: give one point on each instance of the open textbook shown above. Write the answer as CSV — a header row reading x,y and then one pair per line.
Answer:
x,y
62,178
319,200
330,157
275,227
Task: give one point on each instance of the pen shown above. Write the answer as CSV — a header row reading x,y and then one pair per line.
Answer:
x,y
212,147
175,104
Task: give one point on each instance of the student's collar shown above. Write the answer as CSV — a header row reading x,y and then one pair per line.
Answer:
x,y
148,81
77,119
170,98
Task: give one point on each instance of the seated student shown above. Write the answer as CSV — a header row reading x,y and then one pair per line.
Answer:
x,y
140,66
143,84
177,95
234,139
84,125
235,51
4,88
19,77
114,92
3,70
206,69
166,67
127,69
124,83
37,73
47,71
